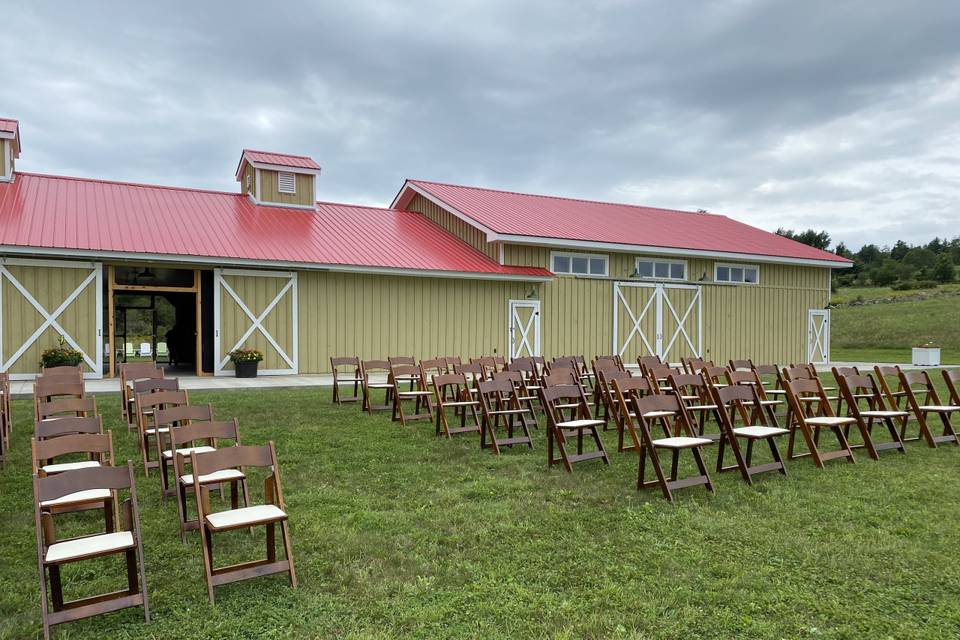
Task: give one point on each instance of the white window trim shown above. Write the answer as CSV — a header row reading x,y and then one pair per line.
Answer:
x,y
280,188
575,254
639,259
736,265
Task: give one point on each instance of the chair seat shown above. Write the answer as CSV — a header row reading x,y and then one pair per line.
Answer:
x,y
461,403
576,424
572,405
759,431
186,451
702,407
776,392
223,475
689,397
815,398
658,414
380,385
245,516
153,430
764,403
829,421
339,379
939,408
413,394
50,469
90,495
883,414
681,442
89,546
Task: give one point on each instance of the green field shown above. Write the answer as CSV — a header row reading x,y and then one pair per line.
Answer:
x,y
886,332
398,534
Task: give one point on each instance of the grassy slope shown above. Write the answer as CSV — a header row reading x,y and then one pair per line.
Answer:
x,y
399,534
886,332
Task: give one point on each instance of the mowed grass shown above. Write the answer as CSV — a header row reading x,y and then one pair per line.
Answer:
x,y
399,534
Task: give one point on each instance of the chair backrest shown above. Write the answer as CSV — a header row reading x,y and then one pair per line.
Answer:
x,y
46,389
605,366
660,373
140,370
801,372
853,384
564,362
75,370
742,393
404,370
617,360
713,374
739,376
741,365
161,399
183,414
606,378
658,402
352,362
56,427
525,366
798,388
406,360
98,444
645,362
433,367
244,455
733,401
513,377
205,431
559,376
691,384
951,378
767,370
492,392
489,364
845,371
63,407
913,382
566,394
104,477
444,381
375,366
451,361
149,385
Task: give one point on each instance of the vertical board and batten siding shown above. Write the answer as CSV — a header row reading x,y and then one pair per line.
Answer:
x,y
766,322
4,152
468,233
50,286
256,293
270,190
376,316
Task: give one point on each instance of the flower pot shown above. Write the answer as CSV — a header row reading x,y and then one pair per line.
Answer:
x,y
926,356
246,369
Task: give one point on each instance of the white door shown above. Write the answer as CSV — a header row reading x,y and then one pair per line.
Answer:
x,y
524,327
818,336
657,319
255,309
43,301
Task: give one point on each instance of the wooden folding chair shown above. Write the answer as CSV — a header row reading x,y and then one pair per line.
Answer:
x,y
452,391
737,404
200,438
346,371
659,376
430,368
489,365
810,412
660,409
561,429
923,407
48,389
602,392
473,372
855,388
527,367
951,378
151,385
407,361
418,394
524,396
167,420
146,406
69,425
74,371
767,410
499,403
694,391
64,407
130,372
587,378
378,368
268,515
94,450
741,365
624,389
646,362
121,537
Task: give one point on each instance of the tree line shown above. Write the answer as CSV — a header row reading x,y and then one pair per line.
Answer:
x,y
902,266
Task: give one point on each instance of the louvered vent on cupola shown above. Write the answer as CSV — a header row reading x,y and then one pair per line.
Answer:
x,y
278,179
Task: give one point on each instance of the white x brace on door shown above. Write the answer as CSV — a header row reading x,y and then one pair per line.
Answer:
x,y
818,336
524,326
265,303
78,316
660,320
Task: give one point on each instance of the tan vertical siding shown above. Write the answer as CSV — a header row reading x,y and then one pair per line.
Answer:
x,y
270,190
466,232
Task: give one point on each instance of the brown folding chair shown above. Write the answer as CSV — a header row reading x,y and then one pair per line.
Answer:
x,y
168,420
69,425
527,367
430,368
130,372
499,403
560,429
694,391
150,385
737,403
951,378
624,389
418,394
452,391
75,371
524,396
200,438
48,389
473,372
855,388
147,404
64,407
646,362
659,376
915,383
741,365
94,450
372,368
602,392
269,514
810,412
490,365
660,409
121,537
767,410
346,371
407,361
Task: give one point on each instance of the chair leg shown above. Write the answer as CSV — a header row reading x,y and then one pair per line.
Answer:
x,y
206,543
288,550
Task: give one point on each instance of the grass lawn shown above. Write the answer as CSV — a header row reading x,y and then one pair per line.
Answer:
x,y
398,534
849,294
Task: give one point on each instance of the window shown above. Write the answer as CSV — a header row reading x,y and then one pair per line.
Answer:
x,y
287,182
737,273
662,269
579,264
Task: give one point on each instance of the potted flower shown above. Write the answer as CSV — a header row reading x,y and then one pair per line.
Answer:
x,y
926,354
60,356
245,362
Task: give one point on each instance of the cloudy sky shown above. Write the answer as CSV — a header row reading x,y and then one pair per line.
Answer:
x,y
835,115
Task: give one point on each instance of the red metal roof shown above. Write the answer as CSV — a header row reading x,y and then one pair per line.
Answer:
x,y
281,159
93,215
521,214
8,125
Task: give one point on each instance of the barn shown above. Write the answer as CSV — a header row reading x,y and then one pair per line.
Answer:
x,y
444,270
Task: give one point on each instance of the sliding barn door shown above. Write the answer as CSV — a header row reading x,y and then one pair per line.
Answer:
x,y
657,319
44,301
256,310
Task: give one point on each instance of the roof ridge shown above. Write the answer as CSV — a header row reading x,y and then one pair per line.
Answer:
x,y
278,153
359,206
568,199
127,183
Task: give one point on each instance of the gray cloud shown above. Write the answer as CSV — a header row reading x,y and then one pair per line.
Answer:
x,y
839,115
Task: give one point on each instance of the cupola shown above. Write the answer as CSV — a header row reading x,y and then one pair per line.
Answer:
x,y
278,179
9,147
